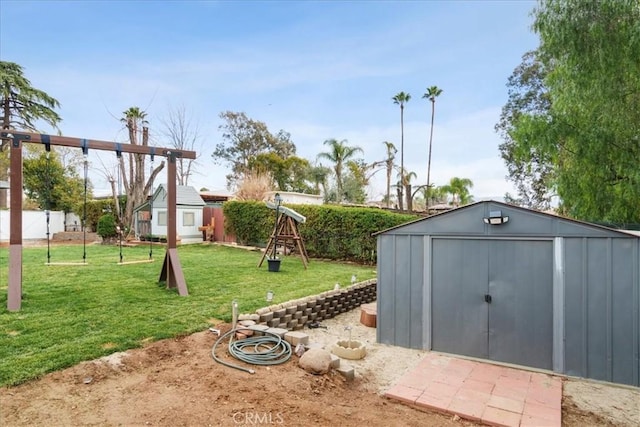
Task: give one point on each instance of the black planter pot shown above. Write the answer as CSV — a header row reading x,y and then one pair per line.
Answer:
x,y
274,264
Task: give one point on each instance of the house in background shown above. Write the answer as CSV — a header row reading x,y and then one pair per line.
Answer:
x,y
189,206
291,197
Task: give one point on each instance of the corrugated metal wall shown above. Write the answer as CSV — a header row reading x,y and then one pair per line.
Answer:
x,y
591,299
601,325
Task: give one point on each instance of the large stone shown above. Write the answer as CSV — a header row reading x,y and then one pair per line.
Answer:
x,y
316,361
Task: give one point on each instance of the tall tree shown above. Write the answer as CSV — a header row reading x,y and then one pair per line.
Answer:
x,y
289,174
22,106
431,94
339,153
52,185
132,172
408,177
590,50
459,190
182,134
245,138
389,162
359,176
401,99
318,175
530,165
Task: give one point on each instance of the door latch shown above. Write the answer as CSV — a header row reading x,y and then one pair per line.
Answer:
x,y
487,298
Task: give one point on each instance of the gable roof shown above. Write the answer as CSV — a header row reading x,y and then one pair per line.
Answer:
x,y
186,195
469,220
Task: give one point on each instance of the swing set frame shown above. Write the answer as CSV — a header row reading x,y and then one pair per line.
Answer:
x,y
171,272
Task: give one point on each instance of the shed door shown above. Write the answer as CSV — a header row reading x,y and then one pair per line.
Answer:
x,y
493,299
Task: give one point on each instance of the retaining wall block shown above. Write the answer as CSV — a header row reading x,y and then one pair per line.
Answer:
x,y
277,331
292,324
295,338
273,323
346,371
265,317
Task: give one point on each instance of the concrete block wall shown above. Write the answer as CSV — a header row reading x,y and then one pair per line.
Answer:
x,y
295,314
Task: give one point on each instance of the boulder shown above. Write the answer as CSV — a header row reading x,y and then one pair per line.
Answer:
x,y
316,361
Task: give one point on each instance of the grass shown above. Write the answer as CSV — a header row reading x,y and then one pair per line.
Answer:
x,y
75,313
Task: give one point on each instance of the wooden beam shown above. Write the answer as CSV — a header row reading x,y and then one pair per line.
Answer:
x,y
94,144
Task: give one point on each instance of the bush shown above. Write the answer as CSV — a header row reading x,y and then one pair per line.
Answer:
x,y
107,227
95,210
332,232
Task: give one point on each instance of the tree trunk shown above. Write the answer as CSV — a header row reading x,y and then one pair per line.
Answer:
x,y
409,198
400,201
433,110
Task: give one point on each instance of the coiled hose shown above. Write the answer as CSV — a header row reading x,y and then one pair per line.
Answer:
x,y
269,349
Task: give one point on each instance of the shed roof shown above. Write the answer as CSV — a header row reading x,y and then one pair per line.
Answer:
x,y
469,220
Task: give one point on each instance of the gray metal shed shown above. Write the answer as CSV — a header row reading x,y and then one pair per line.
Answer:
x,y
508,284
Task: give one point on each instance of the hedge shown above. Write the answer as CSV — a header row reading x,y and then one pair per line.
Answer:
x,y
332,232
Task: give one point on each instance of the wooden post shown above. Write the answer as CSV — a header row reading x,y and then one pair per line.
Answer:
x,y
171,268
14,292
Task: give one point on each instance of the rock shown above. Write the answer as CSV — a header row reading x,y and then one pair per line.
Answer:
x,y
247,322
316,361
299,350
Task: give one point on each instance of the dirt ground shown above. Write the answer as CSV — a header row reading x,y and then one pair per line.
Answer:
x,y
176,382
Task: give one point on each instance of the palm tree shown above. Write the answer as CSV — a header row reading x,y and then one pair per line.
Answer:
x,y
318,176
400,99
404,182
133,176
408,176
459,190
391,155
431,94
21,106
339,152
434,194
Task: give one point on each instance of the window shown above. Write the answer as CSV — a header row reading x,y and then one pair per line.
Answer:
x,y
162,218
188,219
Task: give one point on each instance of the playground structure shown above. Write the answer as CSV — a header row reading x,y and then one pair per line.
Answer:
x,y
286,232
171,272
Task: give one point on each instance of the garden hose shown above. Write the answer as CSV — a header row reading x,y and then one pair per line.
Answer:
x,y
269,349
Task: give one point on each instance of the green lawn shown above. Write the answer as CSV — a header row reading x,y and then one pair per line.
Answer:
x,y
75,313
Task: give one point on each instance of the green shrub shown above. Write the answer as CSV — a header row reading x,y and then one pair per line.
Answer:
x,y
331,232
107,227
95,210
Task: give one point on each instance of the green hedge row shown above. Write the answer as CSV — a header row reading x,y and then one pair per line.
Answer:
x,y
332,232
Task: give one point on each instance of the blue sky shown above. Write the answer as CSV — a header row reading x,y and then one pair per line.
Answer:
x,y
318,70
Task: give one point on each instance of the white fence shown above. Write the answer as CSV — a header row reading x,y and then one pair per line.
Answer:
x,y
34,224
